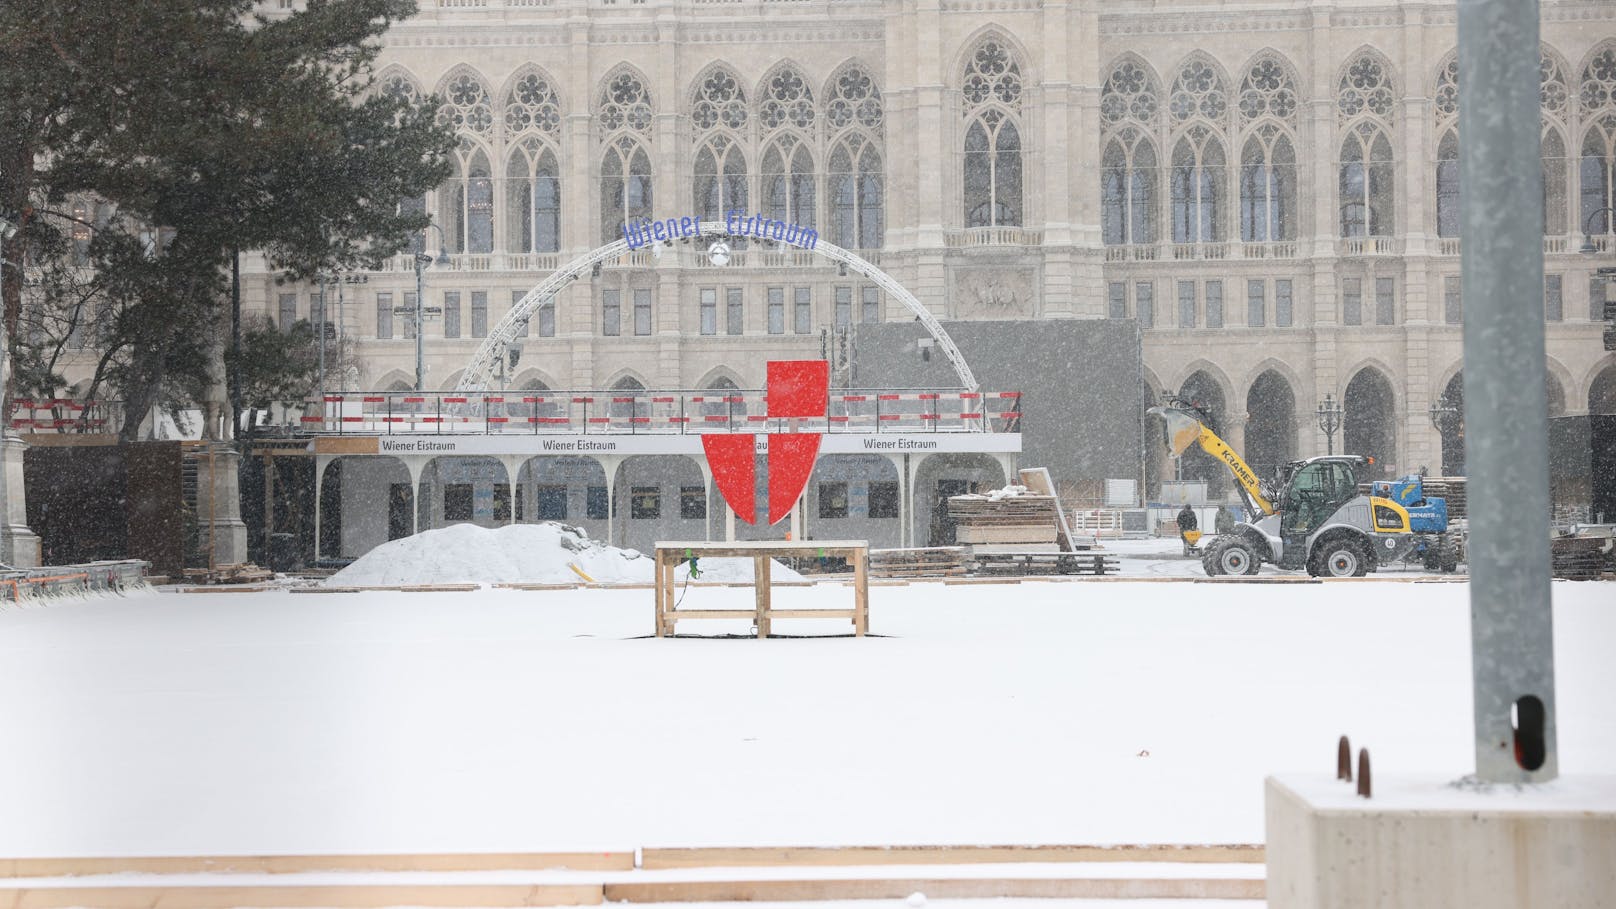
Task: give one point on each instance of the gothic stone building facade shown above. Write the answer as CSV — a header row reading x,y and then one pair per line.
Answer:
x,y
1269,188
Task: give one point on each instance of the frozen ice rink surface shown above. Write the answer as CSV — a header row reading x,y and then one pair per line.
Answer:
x,y
499,720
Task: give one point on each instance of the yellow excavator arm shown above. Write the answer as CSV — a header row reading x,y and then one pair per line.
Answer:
x,y
1184,430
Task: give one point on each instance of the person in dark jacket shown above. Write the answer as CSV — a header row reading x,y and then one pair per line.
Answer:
x,y
1187,523
1225,520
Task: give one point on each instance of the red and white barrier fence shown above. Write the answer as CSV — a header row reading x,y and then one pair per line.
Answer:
x,y
64,415
659,412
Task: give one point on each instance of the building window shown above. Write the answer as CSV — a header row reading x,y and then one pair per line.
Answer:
x,y
1214,304
1366,183
844,306
720,174
1144,303
466,204
533,189
803,310
451,314
857,190
1186,304
611,313
597,503
384,315
1267,187
1352,301
457,499
1130,109
625,188
288,315
525,329
1385,301
709,310
788,175
833,500
642,311
547,325
992,93
1117,298
883,499
1283,303
871,305
777,310
1452,302
645,503
733,312
411,326
552,503
1197,188
1553,302
1256,303
479,314
1596,298
1554,181
1447,185
692,502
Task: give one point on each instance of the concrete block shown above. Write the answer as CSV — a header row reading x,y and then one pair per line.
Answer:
x,y
1424,843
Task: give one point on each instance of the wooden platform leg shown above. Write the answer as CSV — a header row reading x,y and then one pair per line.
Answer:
x,y
861,592
760,582
660,557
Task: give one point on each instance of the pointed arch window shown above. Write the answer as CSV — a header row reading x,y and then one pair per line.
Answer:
x,y
533,199
788,182
1128,189
466,203
855,182
466,105
1197,187
1447,185
720,178
1597,99
1366,188
787,101
625,187
1268,91
1267,187
992,172
992,160
1554,182
856,194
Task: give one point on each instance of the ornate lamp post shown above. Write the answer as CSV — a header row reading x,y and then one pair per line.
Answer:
x,y
1329,415
1588,247
1443,415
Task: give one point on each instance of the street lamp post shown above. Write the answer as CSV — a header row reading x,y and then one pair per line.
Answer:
x,y
1329,414
1588,247
1442,412
422,260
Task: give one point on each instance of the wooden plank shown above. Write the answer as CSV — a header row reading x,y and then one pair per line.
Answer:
x,y
813,613
844,856
861,593
364,896
760,576
936,888
622,860
711,614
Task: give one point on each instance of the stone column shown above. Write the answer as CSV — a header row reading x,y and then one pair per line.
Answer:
x,y
19,546
218,505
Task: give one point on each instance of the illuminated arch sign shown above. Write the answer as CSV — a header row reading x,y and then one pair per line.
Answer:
x,y
796,388
737,223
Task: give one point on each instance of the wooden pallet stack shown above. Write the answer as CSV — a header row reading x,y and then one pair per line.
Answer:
x,y
1022,521
926,562
1582,558
1451,490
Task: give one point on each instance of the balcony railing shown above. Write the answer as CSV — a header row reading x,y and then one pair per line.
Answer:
x,y
994,236
614,412
1369,246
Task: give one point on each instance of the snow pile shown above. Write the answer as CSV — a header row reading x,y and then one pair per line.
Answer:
x,y
545,553
994,495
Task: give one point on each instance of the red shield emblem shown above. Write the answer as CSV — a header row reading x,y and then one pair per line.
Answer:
x,y
796,388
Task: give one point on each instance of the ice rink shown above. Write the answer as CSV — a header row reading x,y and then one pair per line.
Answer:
x,y
1042,712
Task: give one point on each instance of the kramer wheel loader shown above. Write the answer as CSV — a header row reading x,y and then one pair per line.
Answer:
x,y
1312,516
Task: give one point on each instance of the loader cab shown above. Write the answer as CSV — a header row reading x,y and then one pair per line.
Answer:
x,y
1313,491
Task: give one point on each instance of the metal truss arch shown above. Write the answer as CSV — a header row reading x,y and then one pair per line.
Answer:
x,y
482,365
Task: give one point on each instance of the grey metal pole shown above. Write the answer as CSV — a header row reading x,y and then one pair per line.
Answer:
x,y
420,352
1506,414
319,326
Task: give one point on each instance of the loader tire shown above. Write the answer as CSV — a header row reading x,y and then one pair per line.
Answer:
x,y
1230,555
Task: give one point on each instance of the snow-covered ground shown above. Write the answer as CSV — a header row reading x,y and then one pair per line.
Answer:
x,y
1044,712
